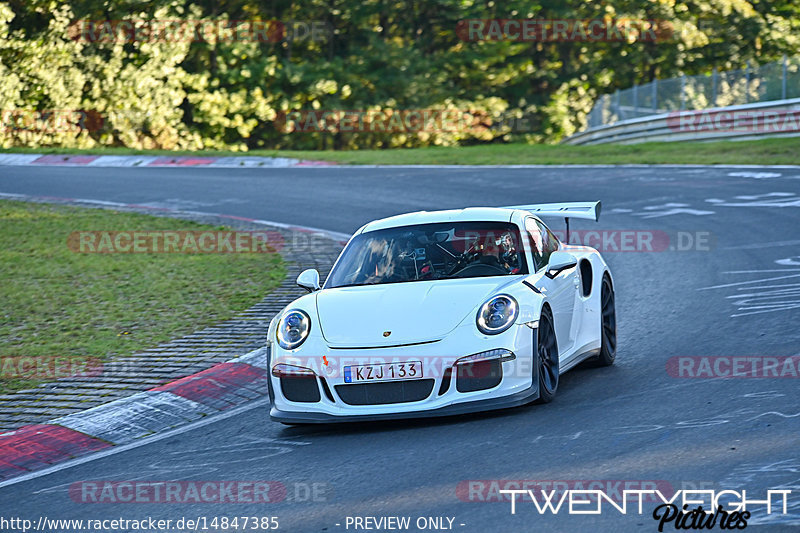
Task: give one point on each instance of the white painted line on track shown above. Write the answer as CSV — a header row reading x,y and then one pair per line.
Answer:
x,y
100,202
755,246
335,235
211,419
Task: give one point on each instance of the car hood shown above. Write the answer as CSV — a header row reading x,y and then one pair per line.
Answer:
x,y
414,312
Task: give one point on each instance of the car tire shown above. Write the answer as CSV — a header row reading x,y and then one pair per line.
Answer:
x,y
547,357
608,324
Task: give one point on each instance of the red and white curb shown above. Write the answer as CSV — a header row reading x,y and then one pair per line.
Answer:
x,y
219,388
144,161
155,161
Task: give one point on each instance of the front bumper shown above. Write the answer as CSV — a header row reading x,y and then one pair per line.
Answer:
x,y
491,404
517,385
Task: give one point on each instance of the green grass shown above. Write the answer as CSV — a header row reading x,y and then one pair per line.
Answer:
x,y
778,151
58,303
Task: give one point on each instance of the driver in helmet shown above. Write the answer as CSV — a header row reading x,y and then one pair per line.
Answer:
x,y
507,253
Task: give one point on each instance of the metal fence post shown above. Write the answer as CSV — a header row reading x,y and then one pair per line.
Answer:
x,y
597,113
747,83
655,94
683,91
785,73
616,105
714,82
635,101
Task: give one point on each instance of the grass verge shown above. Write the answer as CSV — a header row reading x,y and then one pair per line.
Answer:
x,y
56,303
777,151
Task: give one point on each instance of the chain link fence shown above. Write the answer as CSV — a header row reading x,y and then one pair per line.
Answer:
x,y
773,81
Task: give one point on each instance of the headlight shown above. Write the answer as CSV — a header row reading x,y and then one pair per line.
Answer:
x,y
497,315
293,329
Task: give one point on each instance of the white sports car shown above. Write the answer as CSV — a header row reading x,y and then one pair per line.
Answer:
x,y
440,313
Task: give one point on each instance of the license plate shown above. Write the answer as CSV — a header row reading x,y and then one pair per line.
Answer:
x,y
383,372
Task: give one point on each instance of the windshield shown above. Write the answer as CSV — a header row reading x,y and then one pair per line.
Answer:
x,y
429,252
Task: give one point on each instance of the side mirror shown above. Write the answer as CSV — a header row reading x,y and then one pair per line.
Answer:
x,y
560,261
309,280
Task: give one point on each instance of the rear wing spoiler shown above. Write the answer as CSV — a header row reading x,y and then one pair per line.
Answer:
x,y
584,210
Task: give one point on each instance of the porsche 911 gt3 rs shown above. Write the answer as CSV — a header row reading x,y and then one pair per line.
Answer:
x,y
440,313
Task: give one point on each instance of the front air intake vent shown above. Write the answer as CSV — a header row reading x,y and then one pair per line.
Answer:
x,y
385,392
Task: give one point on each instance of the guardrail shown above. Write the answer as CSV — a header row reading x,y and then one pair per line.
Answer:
x,y
778,118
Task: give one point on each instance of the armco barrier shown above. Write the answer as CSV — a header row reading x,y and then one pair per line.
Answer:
x,y
740,122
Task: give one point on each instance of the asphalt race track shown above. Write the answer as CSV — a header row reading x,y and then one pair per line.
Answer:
x,y
736,293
